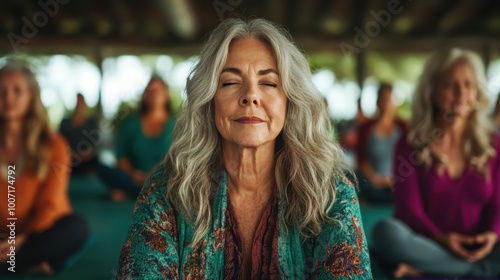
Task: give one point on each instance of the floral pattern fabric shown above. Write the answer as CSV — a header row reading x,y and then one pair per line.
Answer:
x,y
158,241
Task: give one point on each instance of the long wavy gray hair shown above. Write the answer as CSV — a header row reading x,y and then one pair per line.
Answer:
x,y
308,161
423,126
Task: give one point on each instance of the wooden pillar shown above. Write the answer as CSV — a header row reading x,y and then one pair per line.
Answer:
x,y
360,77
98,58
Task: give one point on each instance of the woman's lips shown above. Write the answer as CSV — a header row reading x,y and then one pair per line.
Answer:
x,y
249,120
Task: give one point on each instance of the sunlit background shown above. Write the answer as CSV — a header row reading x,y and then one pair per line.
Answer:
x,y
108,50
124,78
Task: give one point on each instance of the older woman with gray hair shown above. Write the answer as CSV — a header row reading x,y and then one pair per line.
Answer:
x,y
252,186
447,177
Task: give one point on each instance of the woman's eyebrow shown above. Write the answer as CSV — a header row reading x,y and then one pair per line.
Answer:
x,y
232,70
238,71
267,71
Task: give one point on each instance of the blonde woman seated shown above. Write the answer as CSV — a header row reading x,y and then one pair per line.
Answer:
x,y
47,233
447,177
252,186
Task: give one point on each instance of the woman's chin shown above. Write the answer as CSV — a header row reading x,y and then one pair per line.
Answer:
x,y
254,143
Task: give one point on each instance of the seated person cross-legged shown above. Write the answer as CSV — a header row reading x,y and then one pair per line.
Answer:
x,y
375,149
45,233
446,177
83,136
141,143
253,186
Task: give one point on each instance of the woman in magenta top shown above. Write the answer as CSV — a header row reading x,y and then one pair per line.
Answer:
x,y
447,177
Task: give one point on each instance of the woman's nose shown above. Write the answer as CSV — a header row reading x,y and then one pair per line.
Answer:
x,y
249,96
459,90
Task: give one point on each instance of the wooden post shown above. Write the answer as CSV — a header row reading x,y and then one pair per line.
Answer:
x,y
360,77
98,61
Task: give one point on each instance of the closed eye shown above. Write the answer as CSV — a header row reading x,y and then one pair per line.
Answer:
x,y
229,84
270,85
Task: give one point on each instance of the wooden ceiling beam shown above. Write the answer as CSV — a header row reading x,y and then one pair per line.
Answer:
x,y
333,17
459,20
435,17
275,11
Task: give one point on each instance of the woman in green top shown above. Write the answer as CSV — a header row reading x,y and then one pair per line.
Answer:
x,y
253,185
142,142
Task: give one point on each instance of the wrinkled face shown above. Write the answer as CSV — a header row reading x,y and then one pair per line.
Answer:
x,y
250,104
15,96
456,91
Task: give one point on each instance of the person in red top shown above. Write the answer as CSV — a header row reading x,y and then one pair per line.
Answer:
x,y
45,230
376,142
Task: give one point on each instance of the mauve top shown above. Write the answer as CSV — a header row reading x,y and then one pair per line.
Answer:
x,y
431,202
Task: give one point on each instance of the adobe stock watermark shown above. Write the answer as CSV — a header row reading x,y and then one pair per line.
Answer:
x,y
223,6
381,19
49,8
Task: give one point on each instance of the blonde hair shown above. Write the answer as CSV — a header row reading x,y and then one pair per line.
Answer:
x,y
308,161
36,123
478,148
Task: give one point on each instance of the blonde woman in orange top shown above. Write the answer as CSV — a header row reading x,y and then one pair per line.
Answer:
x,y
34,174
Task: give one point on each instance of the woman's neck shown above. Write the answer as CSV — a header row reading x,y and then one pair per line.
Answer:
x,y
250,170
14,129
156,114
453,130
13,139
387,117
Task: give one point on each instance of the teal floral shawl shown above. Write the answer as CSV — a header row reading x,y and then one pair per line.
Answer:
x,y
157,246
